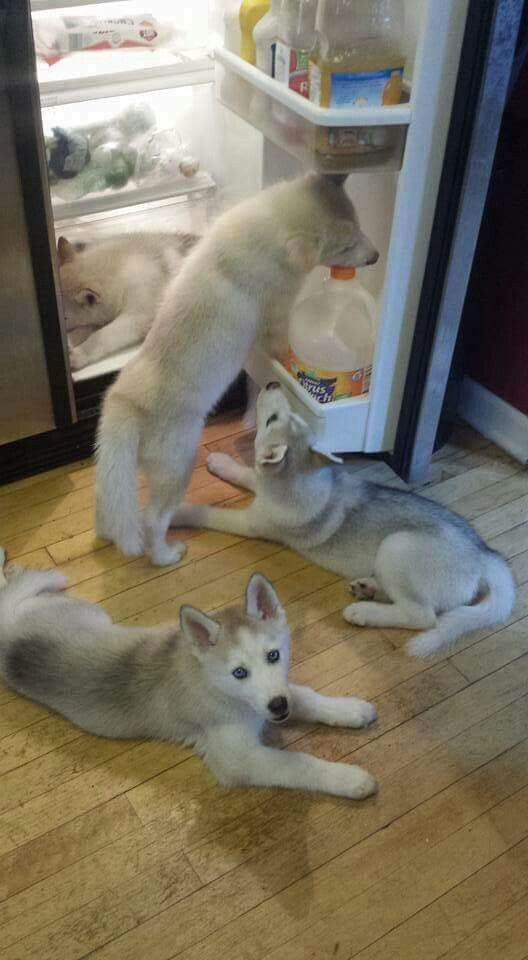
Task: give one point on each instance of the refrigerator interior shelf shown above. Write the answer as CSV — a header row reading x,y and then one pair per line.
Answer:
x,y
327,139
111,364
340,425
37,6
201,185
114,74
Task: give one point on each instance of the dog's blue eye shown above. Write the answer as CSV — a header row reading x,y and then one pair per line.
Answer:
x,y
240,673
273,656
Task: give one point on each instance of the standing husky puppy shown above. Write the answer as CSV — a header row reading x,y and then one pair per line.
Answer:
x,y
212,684
431,570
112,288
238,284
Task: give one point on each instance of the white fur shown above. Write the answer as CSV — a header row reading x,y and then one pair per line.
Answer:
x,y
112,289
238,284
175,684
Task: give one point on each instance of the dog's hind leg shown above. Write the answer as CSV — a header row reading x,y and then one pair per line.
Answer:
x,y
166,492
169,463
228,469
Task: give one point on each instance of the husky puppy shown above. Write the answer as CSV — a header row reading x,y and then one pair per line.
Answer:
x,y
111,289
411,562
212,682
238,284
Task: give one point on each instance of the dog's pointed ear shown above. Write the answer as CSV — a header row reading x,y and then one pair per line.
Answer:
x,y
198,627
303,253
65,251
272,454
324,455
261,600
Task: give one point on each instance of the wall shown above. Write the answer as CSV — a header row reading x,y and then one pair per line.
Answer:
x,y
496,314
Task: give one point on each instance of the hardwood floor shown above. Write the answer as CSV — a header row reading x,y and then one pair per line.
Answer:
x,y
129,851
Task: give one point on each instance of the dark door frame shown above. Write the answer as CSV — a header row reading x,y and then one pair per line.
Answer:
x,y
487,56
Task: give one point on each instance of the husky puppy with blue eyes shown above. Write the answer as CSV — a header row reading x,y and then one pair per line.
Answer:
x,y
211,682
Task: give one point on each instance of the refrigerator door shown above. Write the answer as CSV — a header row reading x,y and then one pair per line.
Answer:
x,y
485,66
34,384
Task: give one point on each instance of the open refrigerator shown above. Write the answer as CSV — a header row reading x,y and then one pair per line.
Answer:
x,y
245,131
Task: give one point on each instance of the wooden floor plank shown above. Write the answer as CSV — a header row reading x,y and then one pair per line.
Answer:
x,y
453,918
122,851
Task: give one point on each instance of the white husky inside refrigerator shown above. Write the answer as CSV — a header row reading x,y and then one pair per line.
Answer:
x,y
247,131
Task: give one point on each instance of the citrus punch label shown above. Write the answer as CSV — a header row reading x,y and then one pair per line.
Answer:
x,y
326,386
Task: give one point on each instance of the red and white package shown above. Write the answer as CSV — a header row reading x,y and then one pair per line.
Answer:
x,y
57,38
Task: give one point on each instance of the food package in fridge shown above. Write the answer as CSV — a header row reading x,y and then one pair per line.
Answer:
x,y
163,154
58,37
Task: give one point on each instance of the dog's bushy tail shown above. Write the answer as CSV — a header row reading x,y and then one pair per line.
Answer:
x,y
498,589
117,515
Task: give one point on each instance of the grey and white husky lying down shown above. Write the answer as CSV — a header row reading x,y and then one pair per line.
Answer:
x,y
411,562
211,682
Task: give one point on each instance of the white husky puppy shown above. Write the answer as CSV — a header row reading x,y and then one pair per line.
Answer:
x,y
213,682
411,562
111,289
237,284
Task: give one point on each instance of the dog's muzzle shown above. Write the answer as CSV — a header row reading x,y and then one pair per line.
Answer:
x,y
278,707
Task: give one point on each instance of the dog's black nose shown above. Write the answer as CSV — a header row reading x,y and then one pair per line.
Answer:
x,y
273,385
374,257
278,706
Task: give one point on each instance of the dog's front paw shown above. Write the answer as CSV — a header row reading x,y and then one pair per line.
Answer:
x,y
361,713
349,712
363,589
167,553
220,465
357,613
78,358
351,781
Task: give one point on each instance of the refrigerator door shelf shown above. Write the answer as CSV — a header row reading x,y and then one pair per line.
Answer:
x,y
197,187
341,426
121,73
363,138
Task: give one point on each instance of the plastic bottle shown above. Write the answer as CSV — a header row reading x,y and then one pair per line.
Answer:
x,y
358,62
332,336
295,43
251,11
226,22
264,37
359,59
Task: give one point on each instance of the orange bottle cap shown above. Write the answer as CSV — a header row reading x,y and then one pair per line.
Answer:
x,y
343,273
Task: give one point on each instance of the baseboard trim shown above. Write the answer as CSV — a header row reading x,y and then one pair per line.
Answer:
x,y
494,419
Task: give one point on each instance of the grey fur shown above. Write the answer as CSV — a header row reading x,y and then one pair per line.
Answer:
x,y
412,563
174,682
